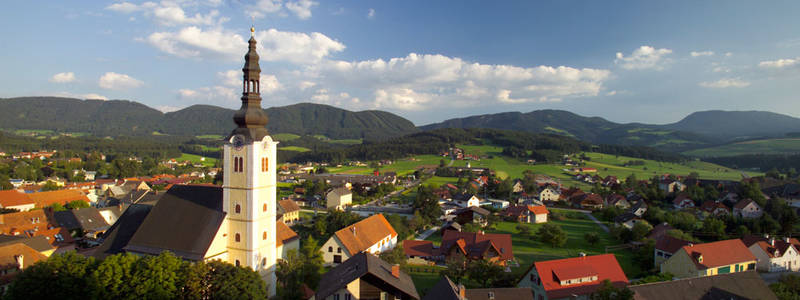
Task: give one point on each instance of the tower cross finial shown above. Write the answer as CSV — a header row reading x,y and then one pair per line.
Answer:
x,y
253,26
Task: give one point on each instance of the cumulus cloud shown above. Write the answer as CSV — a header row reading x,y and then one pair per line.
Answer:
x,y
168,108
725,83
116,81
215,94
233,78
274,45
371,14
644,57
63,77
168,13
301,8
780,63
701,53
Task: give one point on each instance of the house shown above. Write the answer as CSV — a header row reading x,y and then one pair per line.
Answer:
x,y
714,208
45,199
639,208
526,213
373,235
708,259
87,221
495,247
450,226
517,187
38,243
466,200
549,194
617,200
288,211
665,247
365,276
628,220
659,230
747,209
587,201
445,289
572,278
671,186
34,223
286,239
682,201
774,255
499,204
338,198
15,258
16,199
111,213
472,214
741,285
421,252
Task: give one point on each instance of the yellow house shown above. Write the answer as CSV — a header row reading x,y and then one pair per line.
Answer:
x,y
721,257
339,198
288,212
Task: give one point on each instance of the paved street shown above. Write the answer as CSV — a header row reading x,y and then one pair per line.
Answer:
x,y
425,234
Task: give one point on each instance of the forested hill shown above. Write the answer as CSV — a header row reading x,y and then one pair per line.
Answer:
x,y
695,131
121,118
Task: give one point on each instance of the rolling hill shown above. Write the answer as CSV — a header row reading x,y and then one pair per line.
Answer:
x,y
122,117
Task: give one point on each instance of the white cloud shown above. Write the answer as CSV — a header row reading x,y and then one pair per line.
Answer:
x,y
168,13
371,14
263,7
91,96
728,54
644,57
63,77
725,83
215,94
116,81
168,108
721,69
780,63
301,8
701,53
274,45
611,93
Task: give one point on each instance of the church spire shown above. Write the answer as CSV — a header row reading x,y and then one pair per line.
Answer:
x,y
250,118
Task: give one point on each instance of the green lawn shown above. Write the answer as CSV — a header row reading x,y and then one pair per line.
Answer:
x,y
208,162
346,141
614,165
294,148
403,166
766,146
285,137
424,277
210,137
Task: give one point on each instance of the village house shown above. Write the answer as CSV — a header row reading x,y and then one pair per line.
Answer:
x,y
526,213
774,255
671,186
38,243
682,201
741,285
590,201
517,187
710,259
285,240
63,197
16,199
15,258
628,220
617,200
288,212
365,276
714,208
639,208
549,194
747,209
471,214
466,200
572,278
87,221
495,247
338,198
665,247
36,223
372,235
445,289
421,252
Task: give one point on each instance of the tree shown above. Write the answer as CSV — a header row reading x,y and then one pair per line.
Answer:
x,y
112,276
640,230
158,277
395,256
77,204
483,272
50,186
456,268
714,227
592,238
66,277
58,207
232,282
552,234
288,274
523,229
503,190
608,291
787,287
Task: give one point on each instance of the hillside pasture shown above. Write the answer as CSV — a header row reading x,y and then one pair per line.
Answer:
x,y
765,146
196,159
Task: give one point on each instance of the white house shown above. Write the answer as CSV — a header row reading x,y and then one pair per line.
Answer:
x,y
338,198
774,255
747,209
467,200
549,194
373,235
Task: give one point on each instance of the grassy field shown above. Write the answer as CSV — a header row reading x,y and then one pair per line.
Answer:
x,y
285,137
403,166
208,162
294,148
424,277
766,146
210,137
346,141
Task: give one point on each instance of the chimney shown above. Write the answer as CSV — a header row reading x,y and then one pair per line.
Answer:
x,y
787,239
582,254
491,295
772,242
462,292
19,259
353,229
396,270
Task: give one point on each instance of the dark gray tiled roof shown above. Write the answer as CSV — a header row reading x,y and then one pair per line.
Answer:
x,y
371,269
741,285
118,236
445,289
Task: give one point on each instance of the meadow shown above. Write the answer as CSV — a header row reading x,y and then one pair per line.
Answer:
x,y
195,159
765,146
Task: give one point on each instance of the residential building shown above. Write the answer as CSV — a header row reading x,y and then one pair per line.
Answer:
x,y
445,289
471,214
665,247
747,209
714,208
288,212
87,221
16,199
38,243
659,230
572,278
495,247
421,252
774,255
45,199
339,198
526,213
285,240
549,194
587,201
682,201
639,208
628,220
15,258
373,235
741,285
617,200
721,257
365,276
466,200
671,186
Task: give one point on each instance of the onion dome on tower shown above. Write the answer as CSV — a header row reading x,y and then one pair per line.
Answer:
x,y
250,119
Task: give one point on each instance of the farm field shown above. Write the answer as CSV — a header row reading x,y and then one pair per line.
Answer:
x,y
285,137
208,162
765,146
294,148
210,137
403,166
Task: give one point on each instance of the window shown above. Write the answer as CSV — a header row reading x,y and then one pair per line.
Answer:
x,y
237,237
238,209
263,261
338,250
238,164
237,263
264,236
264,164
330,249
265,207
335,296
348,297
337,259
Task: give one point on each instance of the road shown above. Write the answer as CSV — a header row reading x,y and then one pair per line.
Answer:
x,y
602,226
425,234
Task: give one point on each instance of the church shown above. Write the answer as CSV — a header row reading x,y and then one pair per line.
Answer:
x,y
235,223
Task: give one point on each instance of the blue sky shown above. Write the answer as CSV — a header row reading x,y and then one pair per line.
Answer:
x,y
627,61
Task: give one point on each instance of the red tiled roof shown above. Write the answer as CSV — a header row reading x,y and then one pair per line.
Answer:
x,y
764,243
680,199
744,203
721,253
362,235
605,266
43,199
538,209
475,244
14,198
418,248
284,234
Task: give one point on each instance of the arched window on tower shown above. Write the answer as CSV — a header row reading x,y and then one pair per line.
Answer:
x,y
237,263
264,236
263,261
237,238
238,209
265,207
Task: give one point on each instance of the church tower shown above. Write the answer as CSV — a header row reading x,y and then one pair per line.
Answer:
x,y
249,189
